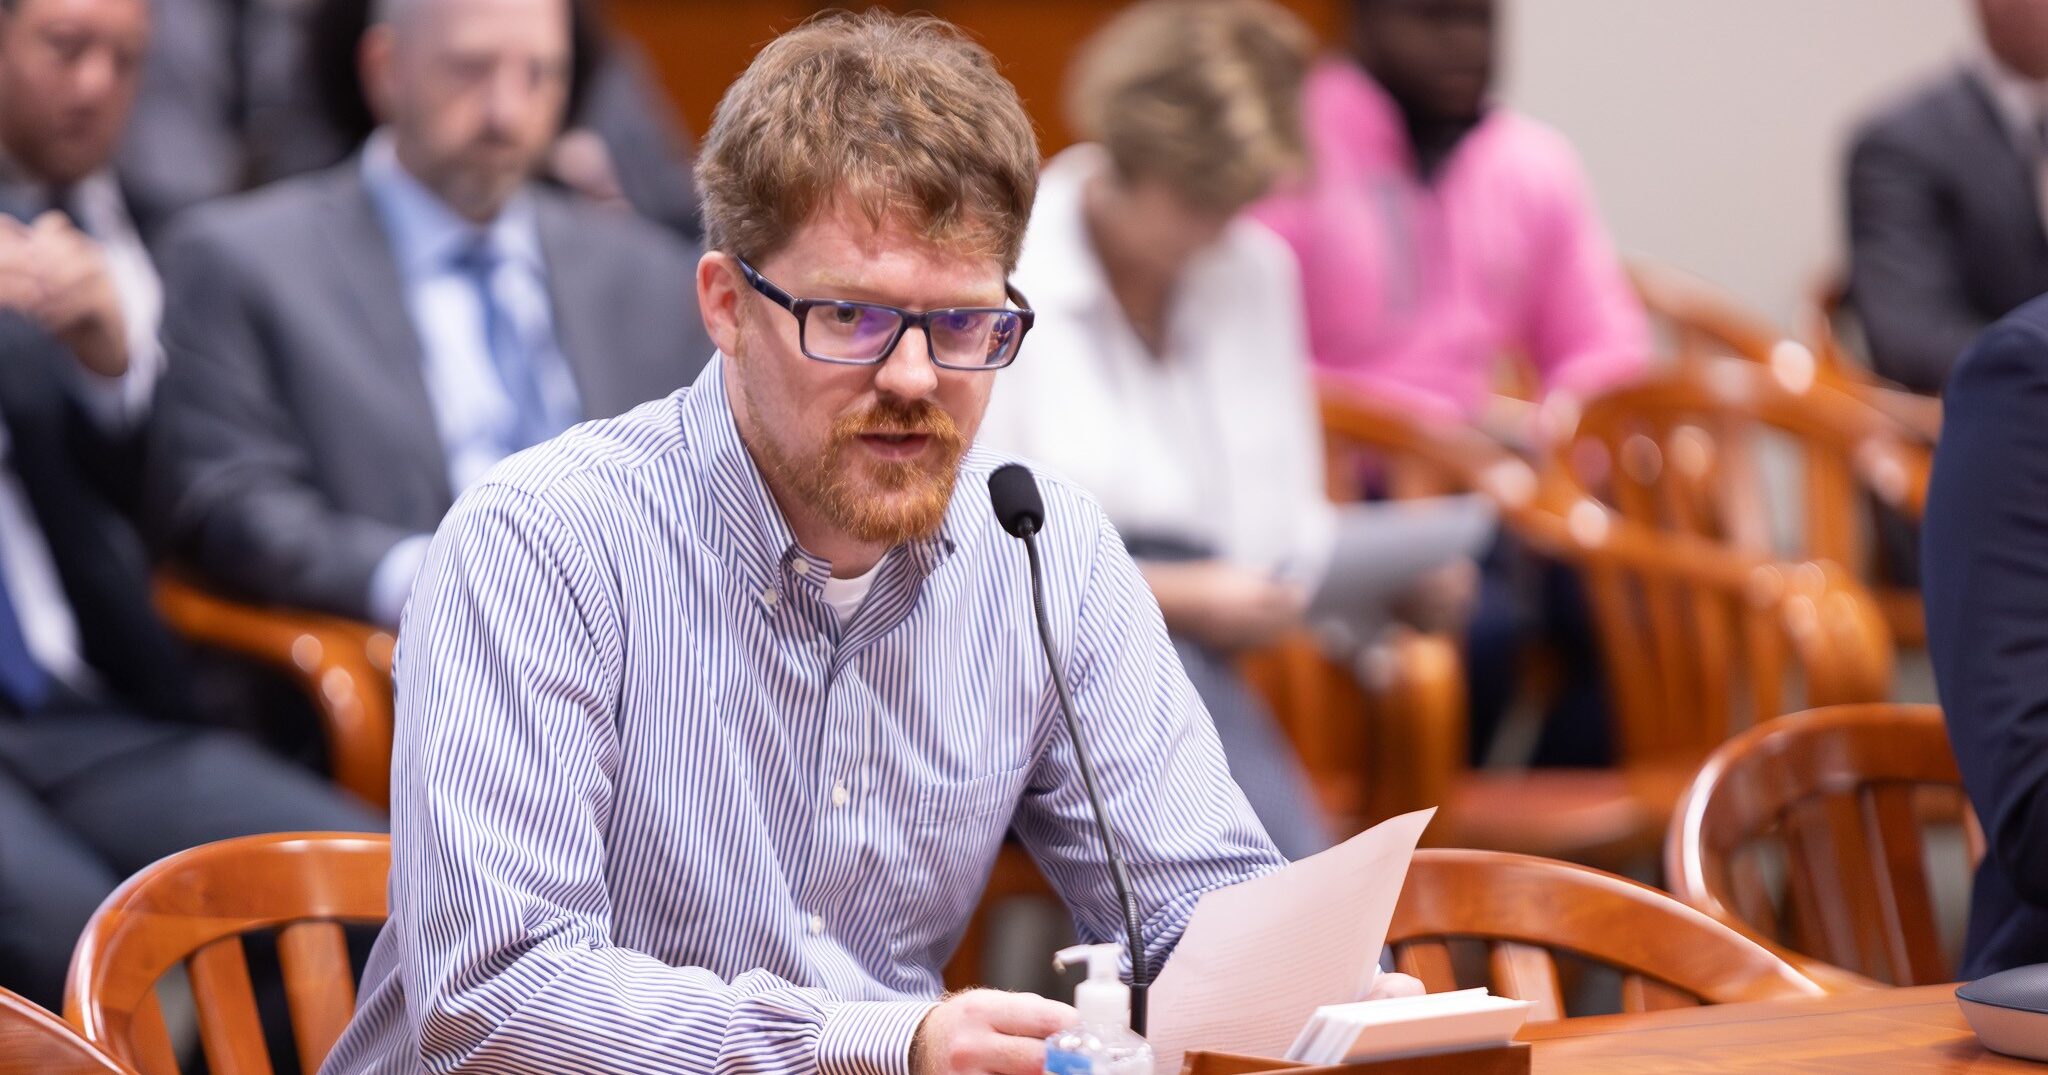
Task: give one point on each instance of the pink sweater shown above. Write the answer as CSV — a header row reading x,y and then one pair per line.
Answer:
x,y
1416,291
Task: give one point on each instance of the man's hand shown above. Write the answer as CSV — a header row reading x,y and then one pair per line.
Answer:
x,y
987,1032
55,275
81,306
1388,986
583,163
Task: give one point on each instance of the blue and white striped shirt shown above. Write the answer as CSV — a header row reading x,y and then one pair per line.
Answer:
x,y
654,810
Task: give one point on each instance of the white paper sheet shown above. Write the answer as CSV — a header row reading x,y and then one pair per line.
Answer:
x,y
1259,958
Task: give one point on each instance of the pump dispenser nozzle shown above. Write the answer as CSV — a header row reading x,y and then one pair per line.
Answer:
x,y
1103,999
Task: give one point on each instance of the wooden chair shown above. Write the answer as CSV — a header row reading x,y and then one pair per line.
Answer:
x,y
1839,796
1710,607
1683,453
1883,455
35,1042
193,908
343,666
1827,321
1524,909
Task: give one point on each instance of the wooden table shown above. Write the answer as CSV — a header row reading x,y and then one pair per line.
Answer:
x,y
1876,1033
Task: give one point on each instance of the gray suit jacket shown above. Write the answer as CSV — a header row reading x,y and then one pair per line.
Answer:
x,y
294,442
1945,231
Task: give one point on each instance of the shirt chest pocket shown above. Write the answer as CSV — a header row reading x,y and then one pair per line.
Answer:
x,y
954,833
958,801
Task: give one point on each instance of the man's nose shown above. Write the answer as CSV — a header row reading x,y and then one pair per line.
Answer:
x,y
908,372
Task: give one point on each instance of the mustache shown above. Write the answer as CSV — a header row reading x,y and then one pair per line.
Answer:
x,y
917,418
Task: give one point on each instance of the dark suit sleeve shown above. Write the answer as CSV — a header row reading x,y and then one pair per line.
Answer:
x,y
232,486
1985,557
1906,272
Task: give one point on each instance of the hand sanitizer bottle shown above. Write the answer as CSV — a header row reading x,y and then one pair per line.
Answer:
x,y
1102,1043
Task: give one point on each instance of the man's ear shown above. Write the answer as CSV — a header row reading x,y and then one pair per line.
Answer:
x,y
375,60
721,287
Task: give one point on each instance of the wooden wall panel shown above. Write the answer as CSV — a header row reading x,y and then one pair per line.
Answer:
x,y
700,46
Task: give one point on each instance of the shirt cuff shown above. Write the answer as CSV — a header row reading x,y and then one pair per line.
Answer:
x,y
870,1037
117,404
391,583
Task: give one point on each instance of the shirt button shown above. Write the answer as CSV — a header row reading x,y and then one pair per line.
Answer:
x,y
840,796
769,597
800,565
817,925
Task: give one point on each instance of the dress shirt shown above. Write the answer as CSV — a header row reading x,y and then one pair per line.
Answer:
x,y
473,412
2022,105
1213,441
653,809
1417,289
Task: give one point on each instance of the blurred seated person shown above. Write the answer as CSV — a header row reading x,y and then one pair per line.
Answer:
x,y
78,269
1984,541
1948,201
101,769
350,350
242,93
1439,233
1170,375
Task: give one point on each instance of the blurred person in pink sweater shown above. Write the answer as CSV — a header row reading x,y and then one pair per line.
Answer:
x,y
1439,235
1439,232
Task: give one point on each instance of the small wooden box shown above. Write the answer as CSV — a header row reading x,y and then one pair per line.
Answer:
x,y
1509,1059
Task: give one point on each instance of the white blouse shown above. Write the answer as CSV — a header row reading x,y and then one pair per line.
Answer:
x,y
1216,441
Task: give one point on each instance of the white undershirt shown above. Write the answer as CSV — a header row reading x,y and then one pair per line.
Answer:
x,y
845,595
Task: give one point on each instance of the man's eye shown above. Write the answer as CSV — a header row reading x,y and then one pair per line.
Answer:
x,y
846,315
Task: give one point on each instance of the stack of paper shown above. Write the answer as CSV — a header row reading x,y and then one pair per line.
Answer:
x,y
1258,957
1408,1026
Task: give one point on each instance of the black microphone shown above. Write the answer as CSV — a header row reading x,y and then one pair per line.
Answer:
x,y
1014,493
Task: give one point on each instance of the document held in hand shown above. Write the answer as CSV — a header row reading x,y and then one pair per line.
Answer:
x,y
1259,958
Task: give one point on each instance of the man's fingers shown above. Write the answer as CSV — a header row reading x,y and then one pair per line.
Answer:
x,y
1027,1015
1009,1055
1388,986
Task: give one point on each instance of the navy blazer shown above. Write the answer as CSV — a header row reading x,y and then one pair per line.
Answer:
x,y
1985,558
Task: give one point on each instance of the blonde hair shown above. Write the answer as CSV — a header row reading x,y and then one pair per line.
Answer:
x,y
901,117
1202,95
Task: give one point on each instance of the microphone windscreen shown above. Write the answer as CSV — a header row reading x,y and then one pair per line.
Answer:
x,y
1014,493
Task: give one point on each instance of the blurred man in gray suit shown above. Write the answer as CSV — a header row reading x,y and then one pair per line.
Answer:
x,y
351,349
1948,202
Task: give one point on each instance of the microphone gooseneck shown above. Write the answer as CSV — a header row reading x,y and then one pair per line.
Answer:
x,y
1021,512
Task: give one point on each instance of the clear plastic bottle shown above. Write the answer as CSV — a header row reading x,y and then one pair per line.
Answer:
x,y
1102,1042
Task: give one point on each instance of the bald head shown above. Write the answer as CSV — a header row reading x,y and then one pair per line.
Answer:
x,y
472,91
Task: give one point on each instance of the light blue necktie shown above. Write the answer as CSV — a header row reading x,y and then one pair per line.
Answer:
x,y
511,357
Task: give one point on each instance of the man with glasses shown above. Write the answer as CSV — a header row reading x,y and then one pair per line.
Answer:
x,y
713,717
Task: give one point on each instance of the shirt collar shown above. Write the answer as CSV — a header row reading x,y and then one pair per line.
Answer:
x,y
425,233
750,530
30,196
2021,103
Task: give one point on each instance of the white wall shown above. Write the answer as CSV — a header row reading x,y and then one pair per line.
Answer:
x,y
1714,130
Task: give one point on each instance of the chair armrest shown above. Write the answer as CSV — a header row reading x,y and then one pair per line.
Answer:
x,y
343,666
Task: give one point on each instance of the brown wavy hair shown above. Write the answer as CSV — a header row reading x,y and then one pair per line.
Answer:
x,y
902,117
